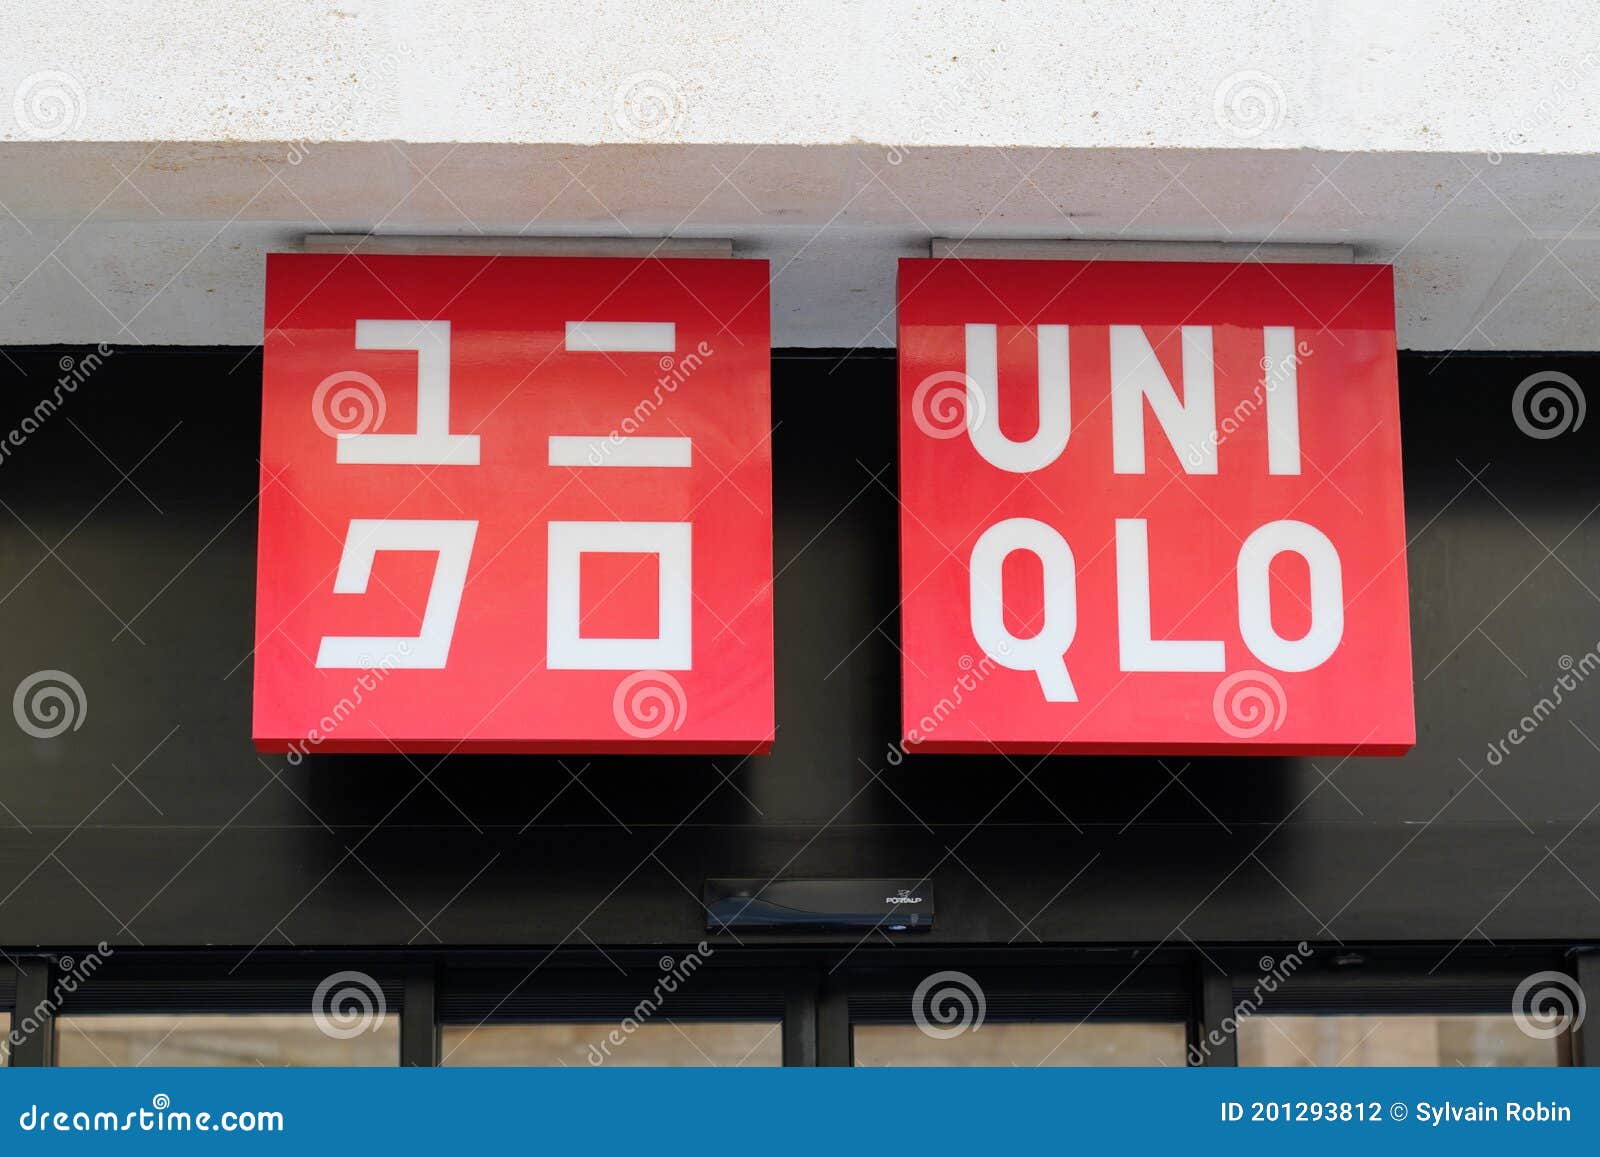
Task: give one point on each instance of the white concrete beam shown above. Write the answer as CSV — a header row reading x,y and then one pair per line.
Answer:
x,y
1338,75
154,156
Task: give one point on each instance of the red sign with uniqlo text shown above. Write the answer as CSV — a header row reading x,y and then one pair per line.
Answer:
x,y
1151,508
515,504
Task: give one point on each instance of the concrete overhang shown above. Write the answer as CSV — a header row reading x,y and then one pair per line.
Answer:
x,y
149,159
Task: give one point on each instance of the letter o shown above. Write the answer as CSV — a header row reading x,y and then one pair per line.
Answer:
x,y
1255,595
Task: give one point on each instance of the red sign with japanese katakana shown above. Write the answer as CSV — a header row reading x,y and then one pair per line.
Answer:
x,y
515,504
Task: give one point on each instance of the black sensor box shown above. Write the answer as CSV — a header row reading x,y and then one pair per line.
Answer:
x,y
903,905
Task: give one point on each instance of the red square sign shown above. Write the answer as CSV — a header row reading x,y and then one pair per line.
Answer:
x,y
515,504
1151,509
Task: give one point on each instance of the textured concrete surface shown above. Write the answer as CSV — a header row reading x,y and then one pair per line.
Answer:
x,y
148,159
1427,75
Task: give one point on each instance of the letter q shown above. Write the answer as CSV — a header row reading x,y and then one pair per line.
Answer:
x,y
1044,653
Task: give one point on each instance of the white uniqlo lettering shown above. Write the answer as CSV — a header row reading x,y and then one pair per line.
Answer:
x,y
1042,653
1283,399
1136,376
566,647
452,539
618,450
432,444
1138,381
1255,595
1139,651
983,401
430,647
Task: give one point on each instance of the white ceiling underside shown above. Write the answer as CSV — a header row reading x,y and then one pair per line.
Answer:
x,y
149,160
